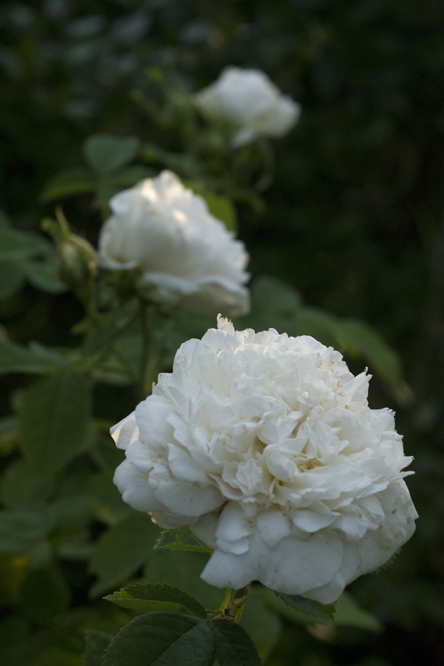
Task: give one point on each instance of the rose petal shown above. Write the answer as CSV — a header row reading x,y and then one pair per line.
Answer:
x,y
125,432
133,485
293,566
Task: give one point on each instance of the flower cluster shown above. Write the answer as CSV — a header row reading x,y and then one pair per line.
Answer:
x,y
265,446
247,99
180,253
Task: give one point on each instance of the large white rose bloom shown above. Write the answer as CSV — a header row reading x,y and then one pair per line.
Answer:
x,y
264,445
248,100
179,251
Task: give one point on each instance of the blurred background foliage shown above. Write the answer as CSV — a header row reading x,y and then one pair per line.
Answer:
x,y
353,221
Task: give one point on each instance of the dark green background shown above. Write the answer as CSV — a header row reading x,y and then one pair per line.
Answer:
x,y
354,219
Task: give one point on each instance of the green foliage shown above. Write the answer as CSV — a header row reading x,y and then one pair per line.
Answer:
x,y
45,274
220,207
72,514
350,230
27,256
99,338
11,278
107,172
161,638
307,606
149,598
105,153
21,530
54,416
69,182
182,570
17,245
165,638
347,611
121,550
96,643
34,359
232,645
22,487
181,539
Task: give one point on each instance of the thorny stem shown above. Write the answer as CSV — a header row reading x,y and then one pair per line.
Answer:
x,y
233,603
228,598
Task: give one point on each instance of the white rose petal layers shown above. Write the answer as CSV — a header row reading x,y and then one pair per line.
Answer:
x,y
181,253
251,102
264,445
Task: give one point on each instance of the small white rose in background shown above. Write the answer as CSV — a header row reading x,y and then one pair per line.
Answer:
x,y
265,446
248,100
182,254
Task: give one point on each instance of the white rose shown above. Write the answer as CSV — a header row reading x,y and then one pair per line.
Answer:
x,y
248,100
180,252
264,445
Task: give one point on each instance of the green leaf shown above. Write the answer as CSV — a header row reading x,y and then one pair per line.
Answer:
x,y
21,530
232,644
102,337
347,612
148,598
77,549
161,639
105,454
274,303
183,570
109,505
121,550
219,206
96,643
181,539
326,612
12,276
16,245
72,513
22,487
360,339
40,555
105,153
33,359
45,274
54,418
74,180
130,176
222,209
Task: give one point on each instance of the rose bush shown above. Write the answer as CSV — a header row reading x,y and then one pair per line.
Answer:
x,y
264,445
180,253
248,100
